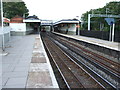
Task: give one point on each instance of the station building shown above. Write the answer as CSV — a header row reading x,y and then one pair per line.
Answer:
x,y
21,26
18,26
32,24
46,25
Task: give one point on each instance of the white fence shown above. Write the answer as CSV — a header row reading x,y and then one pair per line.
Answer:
x,y
6,32
19,27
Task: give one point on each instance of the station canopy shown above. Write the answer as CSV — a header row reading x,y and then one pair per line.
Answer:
x,y
31,20
46,22
69,21
6,20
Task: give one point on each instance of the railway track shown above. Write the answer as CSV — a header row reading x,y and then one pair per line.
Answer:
x,y
111,65
102,64
75,55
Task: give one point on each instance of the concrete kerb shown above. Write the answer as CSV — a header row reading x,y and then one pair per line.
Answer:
x,y
54,81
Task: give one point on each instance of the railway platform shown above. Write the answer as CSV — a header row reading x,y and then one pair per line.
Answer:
x,y
99,42
25,64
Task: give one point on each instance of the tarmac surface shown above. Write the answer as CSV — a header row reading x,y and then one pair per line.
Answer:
x,y
25,64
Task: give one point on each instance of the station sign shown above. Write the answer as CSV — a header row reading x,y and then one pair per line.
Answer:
x,y
110,21
77,26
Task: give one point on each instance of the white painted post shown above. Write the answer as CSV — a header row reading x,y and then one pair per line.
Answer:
x,y
78,26
113,32
110,33
9,33
78,29
52,28
89,22
3,46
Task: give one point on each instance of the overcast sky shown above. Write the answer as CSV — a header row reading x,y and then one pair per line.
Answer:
x,y
62,9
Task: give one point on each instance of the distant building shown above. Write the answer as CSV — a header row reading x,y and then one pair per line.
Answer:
x,y
16,19
19,27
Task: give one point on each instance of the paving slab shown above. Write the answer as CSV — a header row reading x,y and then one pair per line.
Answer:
x,y
12,87
40,72
39,79
38,60
26,64
8,69
21,69
36,67
15,74
16,81
4,80
15,64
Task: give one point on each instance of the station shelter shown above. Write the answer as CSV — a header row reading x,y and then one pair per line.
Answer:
x,y
46,25
67,26
32,24
24,26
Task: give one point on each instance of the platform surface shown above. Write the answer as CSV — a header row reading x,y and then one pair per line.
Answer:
x,y
25,64
99,42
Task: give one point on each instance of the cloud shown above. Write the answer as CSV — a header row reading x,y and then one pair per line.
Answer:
x,y
12,1
62,9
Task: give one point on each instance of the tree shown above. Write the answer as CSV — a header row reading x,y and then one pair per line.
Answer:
x,y
112,8
12,9
34,17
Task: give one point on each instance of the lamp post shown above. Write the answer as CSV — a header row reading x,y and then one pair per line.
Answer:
x,y
3,46
107,11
